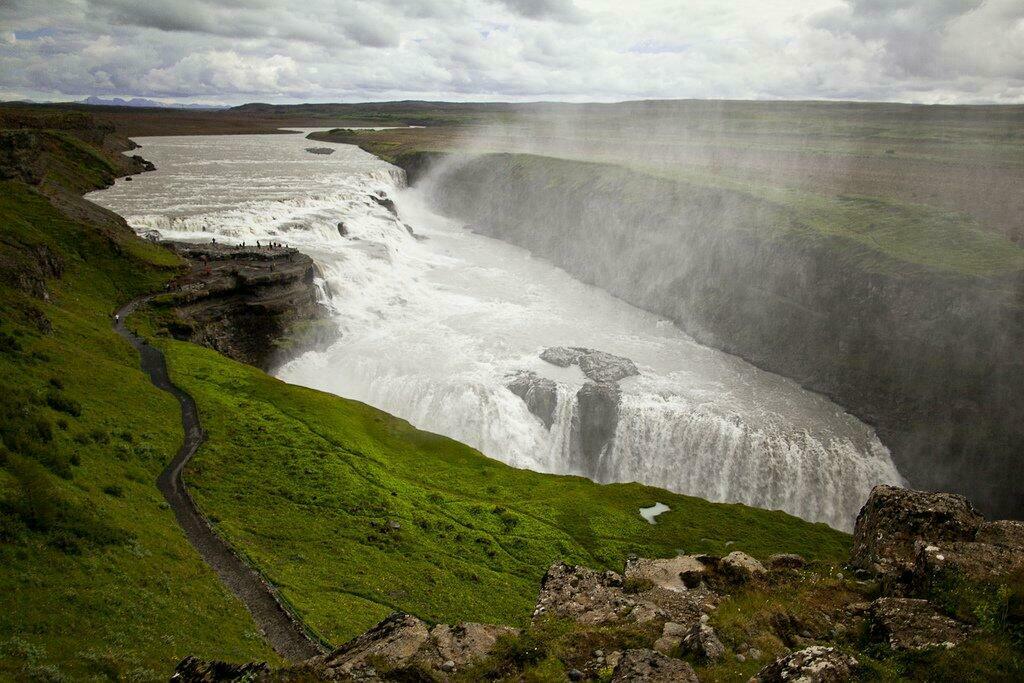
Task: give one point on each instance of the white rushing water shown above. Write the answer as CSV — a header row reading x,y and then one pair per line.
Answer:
x,y
431,329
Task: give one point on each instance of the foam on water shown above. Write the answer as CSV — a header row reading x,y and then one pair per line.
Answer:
x,y
431,329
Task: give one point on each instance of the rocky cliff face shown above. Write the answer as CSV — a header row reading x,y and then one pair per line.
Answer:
x,y
931,359
702,617
242,300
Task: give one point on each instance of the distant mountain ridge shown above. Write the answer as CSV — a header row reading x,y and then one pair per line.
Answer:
x,y
142,102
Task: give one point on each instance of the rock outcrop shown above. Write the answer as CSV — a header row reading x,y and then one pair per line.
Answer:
x,y
786,561
648,666
646,595
679,573
540,395
816,664
400,647
194,670
910,624
595,421
702,642
590,597
242,301
1008,533
598,366
741,567
969,560
893,519
915,541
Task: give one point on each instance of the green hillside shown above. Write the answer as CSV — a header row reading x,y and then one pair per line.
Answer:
x,y
311,487
97,580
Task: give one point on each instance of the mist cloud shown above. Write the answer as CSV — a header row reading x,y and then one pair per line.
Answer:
x,y
273,50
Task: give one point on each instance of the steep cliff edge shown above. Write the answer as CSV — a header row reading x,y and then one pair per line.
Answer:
x,y
241,301
925,348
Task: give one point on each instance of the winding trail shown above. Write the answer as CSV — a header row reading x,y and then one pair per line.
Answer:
x,y
282,629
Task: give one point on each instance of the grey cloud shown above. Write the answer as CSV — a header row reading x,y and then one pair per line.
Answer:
x,y
562,10
164,16
911,31
278,50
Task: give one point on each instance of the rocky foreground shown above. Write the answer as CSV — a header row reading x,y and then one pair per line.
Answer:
x,y
242,300
927,575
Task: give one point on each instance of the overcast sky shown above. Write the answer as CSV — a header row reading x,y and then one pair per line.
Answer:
x,y
233,51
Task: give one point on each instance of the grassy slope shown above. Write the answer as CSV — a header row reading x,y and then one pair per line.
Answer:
x,y
96,579
305,483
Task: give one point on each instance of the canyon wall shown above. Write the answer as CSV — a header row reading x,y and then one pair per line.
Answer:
x,y
931,359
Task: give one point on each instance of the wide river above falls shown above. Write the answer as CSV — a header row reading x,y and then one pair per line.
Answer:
x,y
432,326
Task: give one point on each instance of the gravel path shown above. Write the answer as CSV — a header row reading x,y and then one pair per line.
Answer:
x,y
282,629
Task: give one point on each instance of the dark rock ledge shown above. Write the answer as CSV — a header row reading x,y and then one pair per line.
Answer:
x,y
242,301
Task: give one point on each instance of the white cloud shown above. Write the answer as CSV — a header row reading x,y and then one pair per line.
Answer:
x,y
216,71
275,50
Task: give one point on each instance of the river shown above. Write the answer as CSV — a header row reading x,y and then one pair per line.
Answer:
x,y
430,324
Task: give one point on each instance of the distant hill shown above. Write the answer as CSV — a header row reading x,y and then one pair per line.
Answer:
x,y
142,102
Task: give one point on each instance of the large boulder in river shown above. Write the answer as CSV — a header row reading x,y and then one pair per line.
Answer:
x,y
386,202
597,415
562,356
598,366
540,395
893,519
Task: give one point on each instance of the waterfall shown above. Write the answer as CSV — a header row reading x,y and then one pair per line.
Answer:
x,y
432,326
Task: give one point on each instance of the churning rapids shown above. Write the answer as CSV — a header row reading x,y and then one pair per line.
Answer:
x,y
430,327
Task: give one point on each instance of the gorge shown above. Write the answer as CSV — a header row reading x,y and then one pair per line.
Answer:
x,y
438,325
